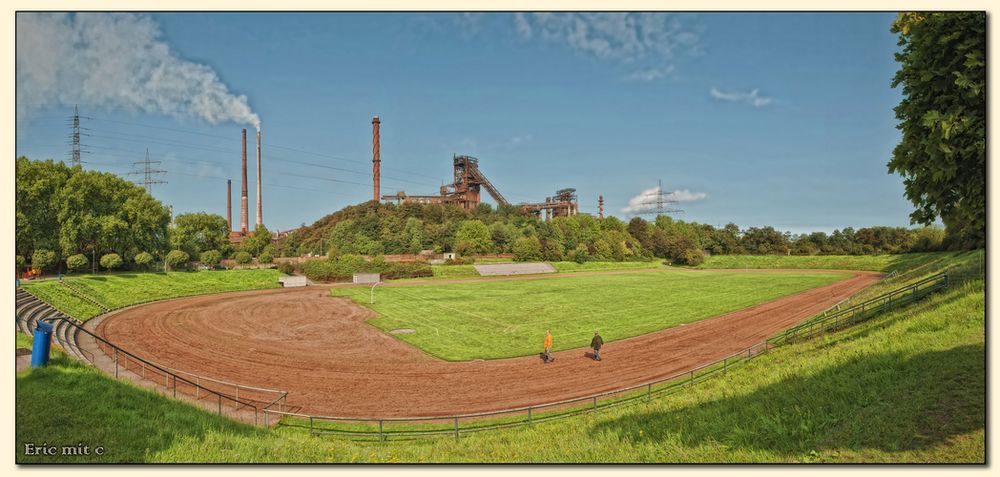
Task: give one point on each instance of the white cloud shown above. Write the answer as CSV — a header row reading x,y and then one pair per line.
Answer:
x,y
651,41
519,140
651,74
116,61
646,201
751,97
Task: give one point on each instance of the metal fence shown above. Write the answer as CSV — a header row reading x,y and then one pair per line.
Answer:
x,y
173,382
382,428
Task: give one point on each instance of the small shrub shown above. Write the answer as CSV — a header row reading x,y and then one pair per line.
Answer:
x,y
144,259
242,258
287,268
43,259
693,257
265,257
77,263
176,259
210,258
111,261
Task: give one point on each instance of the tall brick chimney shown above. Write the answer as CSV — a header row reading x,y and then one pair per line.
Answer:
x,y
375,160
260,207
244,212
229,204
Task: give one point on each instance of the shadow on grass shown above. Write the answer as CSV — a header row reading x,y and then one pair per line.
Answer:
x,y
888,402
66,404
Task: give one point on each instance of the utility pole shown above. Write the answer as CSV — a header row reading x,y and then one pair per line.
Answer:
x,y
148,173
76,148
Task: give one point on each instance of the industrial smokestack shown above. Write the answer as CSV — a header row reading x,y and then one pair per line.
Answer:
x,y
244,212
229,204
375,160
260,207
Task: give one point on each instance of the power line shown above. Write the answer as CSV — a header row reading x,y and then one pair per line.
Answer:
x,y
76,147
661,200
148,173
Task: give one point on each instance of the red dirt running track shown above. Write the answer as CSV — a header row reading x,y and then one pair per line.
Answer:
x,y
321,350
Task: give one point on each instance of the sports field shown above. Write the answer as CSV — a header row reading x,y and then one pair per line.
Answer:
x,y
502,319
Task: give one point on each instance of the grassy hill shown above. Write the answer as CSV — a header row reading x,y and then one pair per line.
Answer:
x,y
906,387
123,289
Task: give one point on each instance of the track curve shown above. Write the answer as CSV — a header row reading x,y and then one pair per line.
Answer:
x,y
321,350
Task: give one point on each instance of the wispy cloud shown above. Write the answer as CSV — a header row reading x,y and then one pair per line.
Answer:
x,y
751,97
519,140
651,74
646,200
647,41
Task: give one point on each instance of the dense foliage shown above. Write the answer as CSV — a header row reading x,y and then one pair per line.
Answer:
x,y
69,211
343,267
375,229
176,259
942,154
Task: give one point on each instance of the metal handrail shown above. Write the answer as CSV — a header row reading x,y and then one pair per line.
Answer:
x,y
921,288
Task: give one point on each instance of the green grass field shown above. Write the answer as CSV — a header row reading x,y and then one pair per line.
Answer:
x,y
906,387
501,319
468,271
876,263
123,289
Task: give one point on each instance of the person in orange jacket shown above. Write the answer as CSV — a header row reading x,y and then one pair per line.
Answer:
x,y
547,347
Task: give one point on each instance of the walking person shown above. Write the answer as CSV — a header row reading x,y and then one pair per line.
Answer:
x,y
547,347
596,343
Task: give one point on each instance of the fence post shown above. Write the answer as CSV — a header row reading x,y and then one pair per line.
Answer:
x,y
595,403
175,386
197,388
311,426
381,438
456,427
267,419
237,392
649,391
220,404
529,416
725,363
116,363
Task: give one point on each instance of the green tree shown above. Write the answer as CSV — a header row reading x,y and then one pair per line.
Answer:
x,y
475,237
143,259
111,261
552,251
210,258
77,263
43,259
19,264
35,210
527,249
243,258
942,154
176,259
197,232
255,244
266,258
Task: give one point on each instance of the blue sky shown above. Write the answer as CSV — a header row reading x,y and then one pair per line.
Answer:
x,y
757,119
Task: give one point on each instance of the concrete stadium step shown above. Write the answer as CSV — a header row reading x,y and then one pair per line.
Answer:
x,y
30,316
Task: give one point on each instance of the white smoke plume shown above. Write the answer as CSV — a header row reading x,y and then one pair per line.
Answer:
x,y
116,61
647,199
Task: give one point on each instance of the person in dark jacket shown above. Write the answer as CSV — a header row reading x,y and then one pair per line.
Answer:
x,y
596,343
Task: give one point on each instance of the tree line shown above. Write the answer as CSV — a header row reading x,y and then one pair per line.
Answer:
x,y
67,218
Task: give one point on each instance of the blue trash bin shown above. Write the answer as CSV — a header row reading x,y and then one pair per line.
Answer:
x,y
43,342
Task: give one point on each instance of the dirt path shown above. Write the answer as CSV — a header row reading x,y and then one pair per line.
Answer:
x,y
320,349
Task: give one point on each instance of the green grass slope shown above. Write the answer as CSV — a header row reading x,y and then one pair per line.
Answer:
x,y
906,387
500,319
123,289
876,263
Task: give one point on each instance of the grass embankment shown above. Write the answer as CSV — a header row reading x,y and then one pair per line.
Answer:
x,y
906,387
123,289
500,319
875,263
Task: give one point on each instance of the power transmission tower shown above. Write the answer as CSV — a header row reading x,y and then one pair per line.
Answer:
x,y
148,173
661,201
76,148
